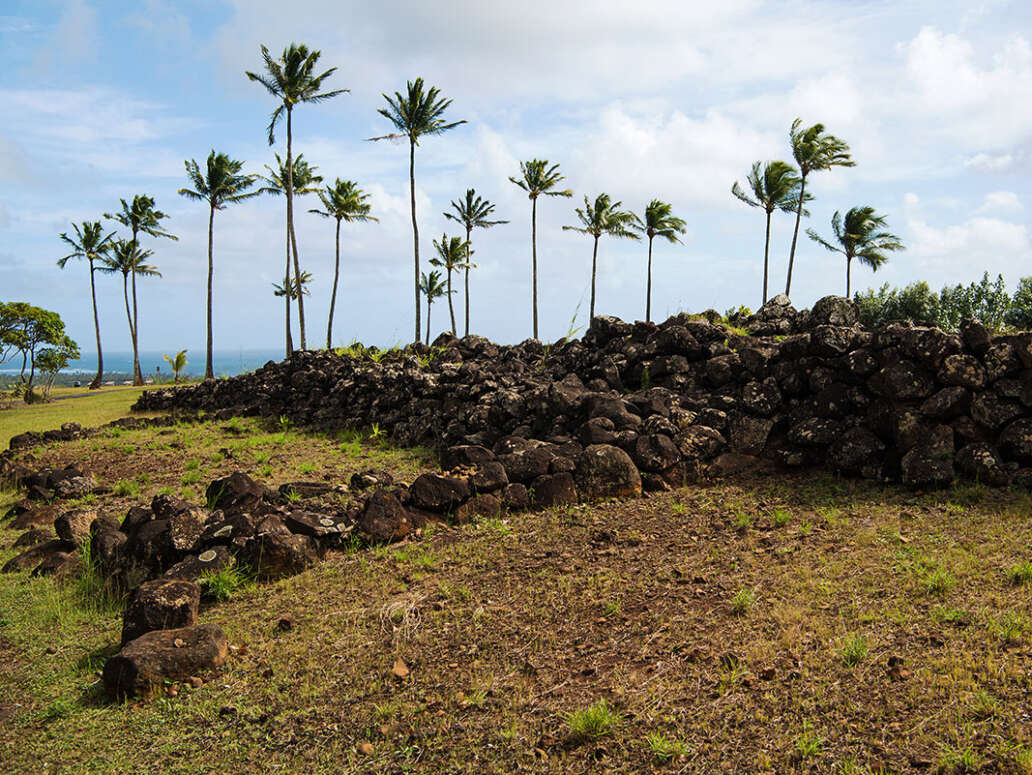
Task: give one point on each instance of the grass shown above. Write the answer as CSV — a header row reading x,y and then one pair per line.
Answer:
x,y
224,584
742,602
542,648
87,409
1020,574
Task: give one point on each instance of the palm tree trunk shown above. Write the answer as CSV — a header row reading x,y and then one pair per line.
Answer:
x,y
795,234
293,234
415,232
333,295
594,264
137,376
209,371
96,325
125,295
451,309
467,281
648,286
428,305
849,263
286,284
533,251
766,257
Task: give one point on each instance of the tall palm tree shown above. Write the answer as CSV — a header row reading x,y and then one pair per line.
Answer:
x,y
472,212
776,187
659,222
416,114
301,176
433,288
90,243
860,236
126,257
537,178
453,255
603,217
343,201
813,150
292,80
140,217
220,184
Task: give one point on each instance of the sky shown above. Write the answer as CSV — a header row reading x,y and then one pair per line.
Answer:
x,y
660,99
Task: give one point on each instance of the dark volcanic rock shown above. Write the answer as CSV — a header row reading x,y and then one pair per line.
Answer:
x,y
384,519
164,655
605,471
439,493
161,604
553,490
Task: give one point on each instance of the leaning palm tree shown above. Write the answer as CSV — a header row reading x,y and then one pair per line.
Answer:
x,y
776,187
141,218
90,243
813,150
538,178
433,288
343,201
294,287
416,114
659,222
860,236
303,180
453,255
220,184
471,212
125,257
603,217
292,80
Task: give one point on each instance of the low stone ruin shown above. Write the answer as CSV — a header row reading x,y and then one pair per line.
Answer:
x,y
679,399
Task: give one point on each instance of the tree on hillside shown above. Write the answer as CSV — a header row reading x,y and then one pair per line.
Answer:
x,y
220,184
860,235
305,182
433,288
127,258
343,201
416,114
51,360
813,150
604,217
659,222
775,187
537,178
90,243
292,80
472,212
29,330
140,217
452,256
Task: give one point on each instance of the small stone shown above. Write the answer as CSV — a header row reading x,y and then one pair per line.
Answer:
x,y
286,623
400,669
366,748
196,681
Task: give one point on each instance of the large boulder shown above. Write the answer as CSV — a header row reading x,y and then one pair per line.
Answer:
x,y
159,656
35,555
553,490
236,492
930,463
276,553
982,463
74,526
160,604
834,311
1016,441
439,493
700,442
605,471
384,519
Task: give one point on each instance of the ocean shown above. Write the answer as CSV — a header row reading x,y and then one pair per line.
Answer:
x,y
226,363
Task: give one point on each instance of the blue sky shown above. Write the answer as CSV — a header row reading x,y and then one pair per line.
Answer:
x,y
666,100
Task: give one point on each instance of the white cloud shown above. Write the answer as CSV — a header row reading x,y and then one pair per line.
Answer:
x,y
993,162
1000,202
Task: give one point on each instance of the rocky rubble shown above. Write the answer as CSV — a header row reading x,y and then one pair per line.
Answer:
x,y
810,388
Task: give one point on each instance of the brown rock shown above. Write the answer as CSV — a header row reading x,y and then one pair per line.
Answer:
x,y
153,658
161,604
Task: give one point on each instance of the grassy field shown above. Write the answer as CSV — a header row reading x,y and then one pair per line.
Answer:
x,y
798,624
75,405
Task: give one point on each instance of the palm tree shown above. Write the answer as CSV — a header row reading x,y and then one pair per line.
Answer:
x,y
177,364
860,237
416,114
538,178
140,217
292,80
304,181
219,185
659,222
812,150
298,286
452,257
603,217
343,201
471,212
431,287
777,187
90,243
126,257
